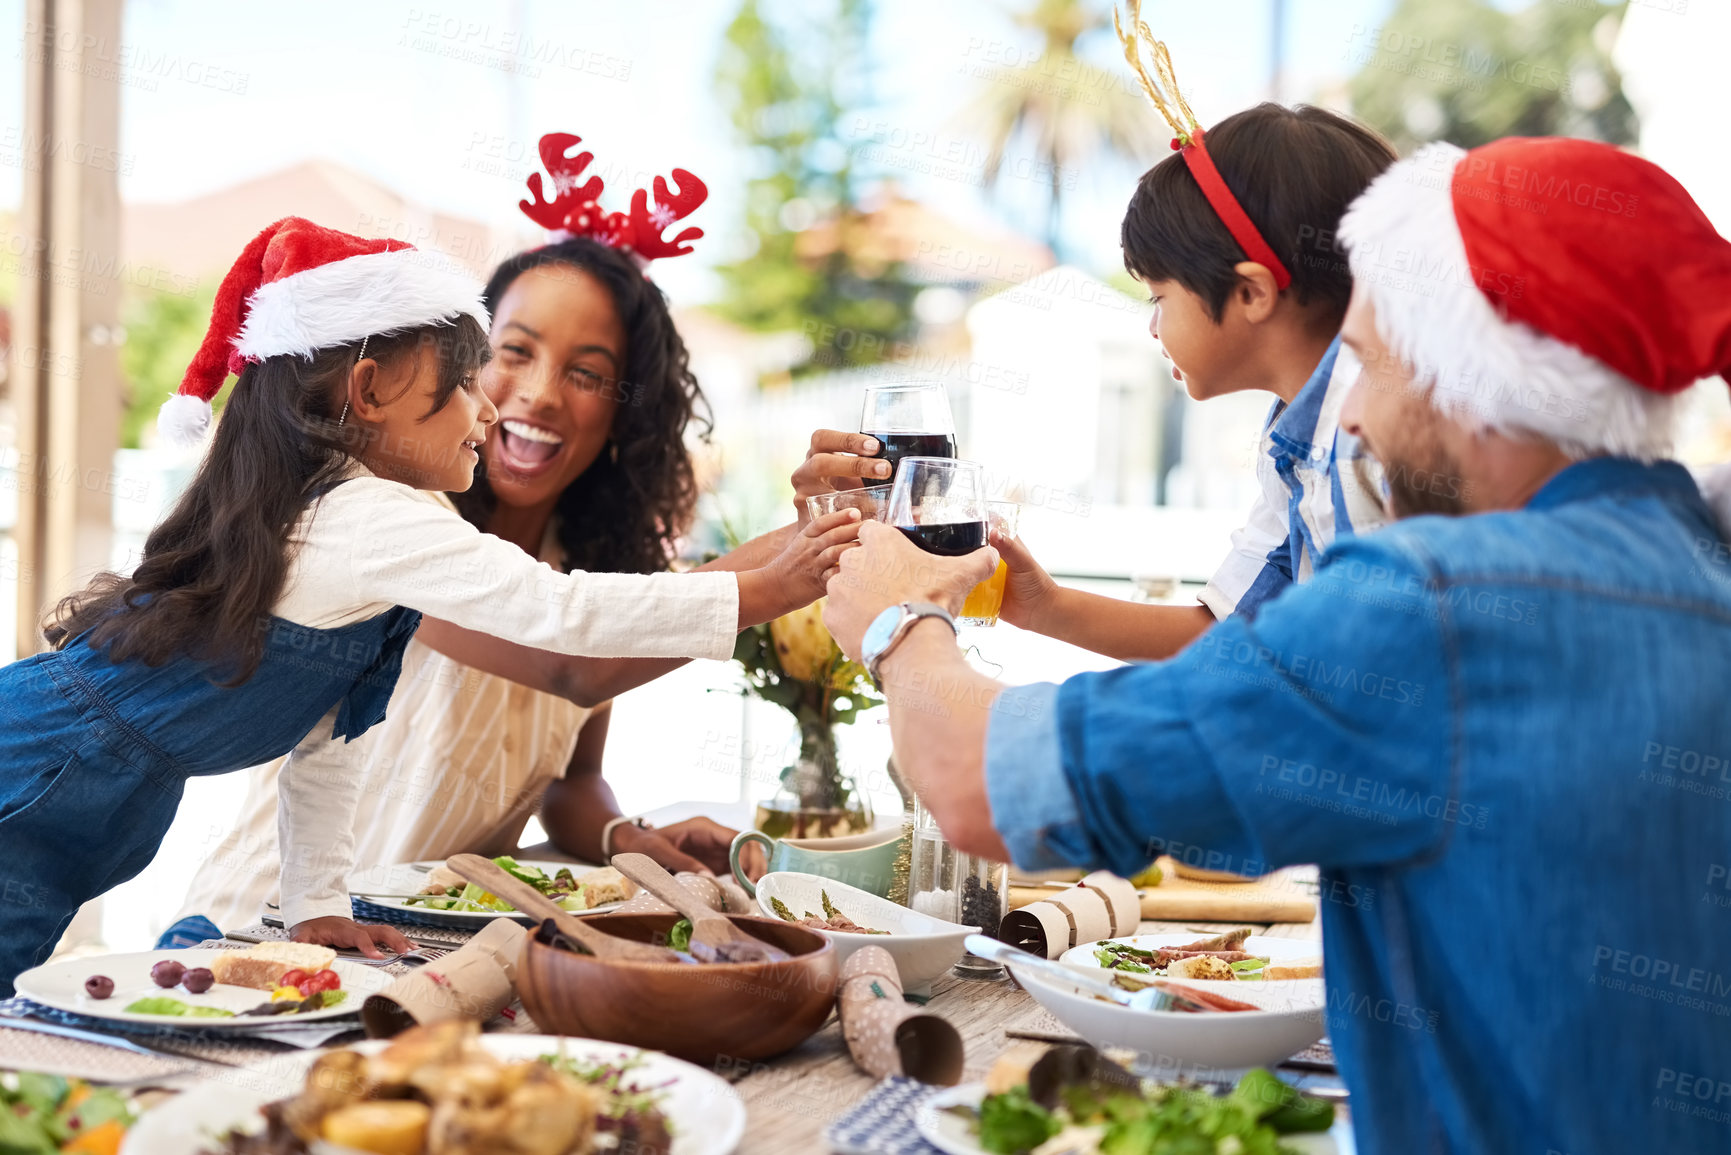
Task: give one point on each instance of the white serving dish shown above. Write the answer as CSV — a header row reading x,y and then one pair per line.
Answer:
x,y
1213,1046
923,947
61,985
708,1116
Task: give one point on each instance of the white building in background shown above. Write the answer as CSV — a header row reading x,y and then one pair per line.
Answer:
x,y
1069,392
1073,406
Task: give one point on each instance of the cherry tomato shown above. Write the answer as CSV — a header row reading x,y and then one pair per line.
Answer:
x,y
293,978
325,980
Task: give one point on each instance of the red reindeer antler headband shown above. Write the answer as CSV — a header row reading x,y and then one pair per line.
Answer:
x,y
1162,89
575,211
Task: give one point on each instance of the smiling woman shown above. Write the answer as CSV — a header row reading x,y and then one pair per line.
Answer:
x,y
595,396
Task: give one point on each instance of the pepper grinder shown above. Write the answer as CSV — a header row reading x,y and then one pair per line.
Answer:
x,y
950,884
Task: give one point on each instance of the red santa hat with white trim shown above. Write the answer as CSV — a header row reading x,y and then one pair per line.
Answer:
x,y
1550,287
299,287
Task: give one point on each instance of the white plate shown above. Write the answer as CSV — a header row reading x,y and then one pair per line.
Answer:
x,y
954,1135
707,1115
410,877
61,985
1214,1046
923,947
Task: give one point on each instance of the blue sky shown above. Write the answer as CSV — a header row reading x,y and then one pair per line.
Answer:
x,y
414,96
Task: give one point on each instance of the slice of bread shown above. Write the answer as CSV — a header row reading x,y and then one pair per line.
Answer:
x,y
263,966
605,884
1304,968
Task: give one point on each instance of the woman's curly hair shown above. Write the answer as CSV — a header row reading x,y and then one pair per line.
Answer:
x,y
625,513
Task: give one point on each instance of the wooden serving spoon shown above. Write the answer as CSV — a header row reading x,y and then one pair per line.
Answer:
x,y
494,879
714,938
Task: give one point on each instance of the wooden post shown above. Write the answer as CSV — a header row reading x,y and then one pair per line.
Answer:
x,y
65,379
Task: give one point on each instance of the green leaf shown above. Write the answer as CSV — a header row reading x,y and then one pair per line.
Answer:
x,y
1012,1123
208,1013
40,1092
679,937
156,1005
25,1134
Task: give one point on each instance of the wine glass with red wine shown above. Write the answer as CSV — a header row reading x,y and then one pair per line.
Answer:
x,y
909,421
940,503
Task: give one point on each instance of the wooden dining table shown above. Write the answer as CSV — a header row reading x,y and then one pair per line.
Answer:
x,y
793,1098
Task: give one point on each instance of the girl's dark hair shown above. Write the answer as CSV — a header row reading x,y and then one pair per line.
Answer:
x,y
1295,170
214,567
623,515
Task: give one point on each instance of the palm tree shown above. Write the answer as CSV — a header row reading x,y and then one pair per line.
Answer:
x,y
1069,109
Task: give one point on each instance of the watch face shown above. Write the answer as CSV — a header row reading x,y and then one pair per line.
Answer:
x,y
879,633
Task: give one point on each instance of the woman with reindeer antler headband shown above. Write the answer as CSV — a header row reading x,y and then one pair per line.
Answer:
x,y
1233,237
586,469
360,391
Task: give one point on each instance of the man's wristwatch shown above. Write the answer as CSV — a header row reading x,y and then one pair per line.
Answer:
x,y
890,627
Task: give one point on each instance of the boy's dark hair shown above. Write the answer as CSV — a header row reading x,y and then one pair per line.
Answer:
x,y
1294,170
625,513
215,566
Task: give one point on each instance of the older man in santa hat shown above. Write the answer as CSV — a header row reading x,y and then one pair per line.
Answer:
x,y
1503,732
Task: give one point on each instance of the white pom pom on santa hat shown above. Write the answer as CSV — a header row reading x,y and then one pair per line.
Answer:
x,y
299,287
1546,286
183,421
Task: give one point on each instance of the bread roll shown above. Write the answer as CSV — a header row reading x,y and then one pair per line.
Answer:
x,y
262,967
604,885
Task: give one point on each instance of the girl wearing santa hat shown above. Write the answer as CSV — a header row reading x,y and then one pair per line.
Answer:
x,y
587,468
272,606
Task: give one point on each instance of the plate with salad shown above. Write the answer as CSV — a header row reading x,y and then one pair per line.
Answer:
x,y
48,1115
1074,1100
183,988
440,896
1234,957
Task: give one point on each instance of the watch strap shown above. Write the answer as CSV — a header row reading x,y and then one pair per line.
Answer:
x,y
912,612
607,833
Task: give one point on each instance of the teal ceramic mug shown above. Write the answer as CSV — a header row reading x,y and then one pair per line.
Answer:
x,y
864,860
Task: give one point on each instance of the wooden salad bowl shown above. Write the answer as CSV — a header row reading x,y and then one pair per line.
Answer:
x,y
692,1011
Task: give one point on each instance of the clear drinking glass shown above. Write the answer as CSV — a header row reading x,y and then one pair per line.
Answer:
x,y
939,502
987,599
872,502
909,421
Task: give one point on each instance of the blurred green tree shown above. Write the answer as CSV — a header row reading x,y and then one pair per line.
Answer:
x,y
162,334
814,268
1467,72
1069,110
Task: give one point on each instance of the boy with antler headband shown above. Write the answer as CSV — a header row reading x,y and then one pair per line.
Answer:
x,y
1234,239
1233,236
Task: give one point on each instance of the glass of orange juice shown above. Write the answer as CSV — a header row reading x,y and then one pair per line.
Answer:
x,y
987,598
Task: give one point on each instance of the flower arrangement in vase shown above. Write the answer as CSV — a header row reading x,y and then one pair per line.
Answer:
x,y
794,663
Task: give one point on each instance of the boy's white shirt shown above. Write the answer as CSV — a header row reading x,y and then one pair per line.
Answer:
x,y
1269,526
370,544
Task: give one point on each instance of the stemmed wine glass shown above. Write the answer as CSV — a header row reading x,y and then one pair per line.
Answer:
x,y
909,421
